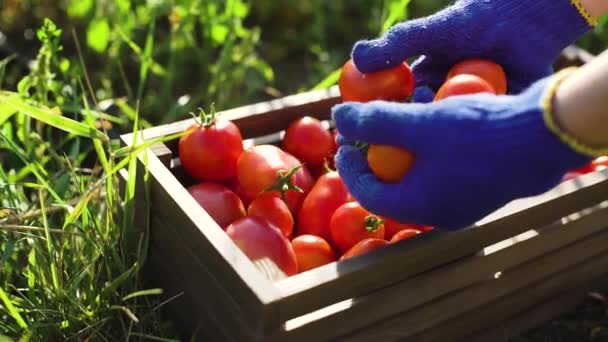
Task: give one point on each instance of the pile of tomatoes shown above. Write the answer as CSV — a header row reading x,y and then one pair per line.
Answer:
x,y
282,202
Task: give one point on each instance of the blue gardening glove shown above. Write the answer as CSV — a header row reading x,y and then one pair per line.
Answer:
x,y
473,154
523,36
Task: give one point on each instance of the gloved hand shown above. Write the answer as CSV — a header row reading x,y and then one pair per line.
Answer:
x,y
523,36
473,154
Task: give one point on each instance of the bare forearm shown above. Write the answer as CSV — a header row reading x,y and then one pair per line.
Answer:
x,y
595,7
581,103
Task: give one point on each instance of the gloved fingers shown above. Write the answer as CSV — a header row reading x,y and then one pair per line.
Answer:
x,y
402,41
381,122
429,72
423,94
365,187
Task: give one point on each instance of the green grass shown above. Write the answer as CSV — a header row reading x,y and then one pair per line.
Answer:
x,y
70,251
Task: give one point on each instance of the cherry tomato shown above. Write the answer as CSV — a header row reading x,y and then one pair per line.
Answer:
x,y
312,252
352,223
309,141
236,187
487,70
394,84
392,227
210,153
404,235
462,85
328,193
599,163
363,247
221,203
273,209
389,163
261,241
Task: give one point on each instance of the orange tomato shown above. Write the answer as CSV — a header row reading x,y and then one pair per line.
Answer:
x,y
312,251
389,163
491,72
462,85
364,246
394,84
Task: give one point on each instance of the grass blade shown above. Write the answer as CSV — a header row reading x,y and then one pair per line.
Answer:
x,y
330,80
150,292
49,245
12,311
51,118
397,11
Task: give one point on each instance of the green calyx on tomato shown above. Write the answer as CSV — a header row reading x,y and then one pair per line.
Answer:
x,y
285,182
205,119
372,223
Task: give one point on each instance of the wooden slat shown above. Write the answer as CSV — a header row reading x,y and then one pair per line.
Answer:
x,y
208,290
335,282
463,328
260,118
197,231
456,304
446,279
521,322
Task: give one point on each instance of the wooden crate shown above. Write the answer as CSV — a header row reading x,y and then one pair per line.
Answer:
x,y
517,267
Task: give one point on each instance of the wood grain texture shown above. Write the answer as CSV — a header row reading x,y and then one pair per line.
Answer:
x,y
442,281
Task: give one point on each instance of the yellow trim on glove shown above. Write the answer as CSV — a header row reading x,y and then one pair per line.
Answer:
x,y
590,19
547,106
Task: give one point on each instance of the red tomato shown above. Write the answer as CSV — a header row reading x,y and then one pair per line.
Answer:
x,y
392,227
363,247
312,252
462,85
238,189
261,241
599,163
210,153
487,70
404,235
389,163
309,141
223,205
352,223
273,209
394,84
328,193
302,179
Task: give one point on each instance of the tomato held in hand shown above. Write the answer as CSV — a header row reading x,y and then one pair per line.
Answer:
x,y
489,71
309,141
404,235
223,205
363,247
209,151
389,163
328,193
312,252
463,85
273,209
394,84
263,242
352,223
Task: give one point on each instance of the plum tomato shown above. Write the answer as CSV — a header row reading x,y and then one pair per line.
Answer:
x,y
209,150
488,70
221,203
352,223
307,140
262,242
463,85
364,246
273,209
393,84
328,193
312,252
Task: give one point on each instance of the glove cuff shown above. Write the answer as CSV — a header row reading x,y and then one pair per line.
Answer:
x,y
591,20
551,123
